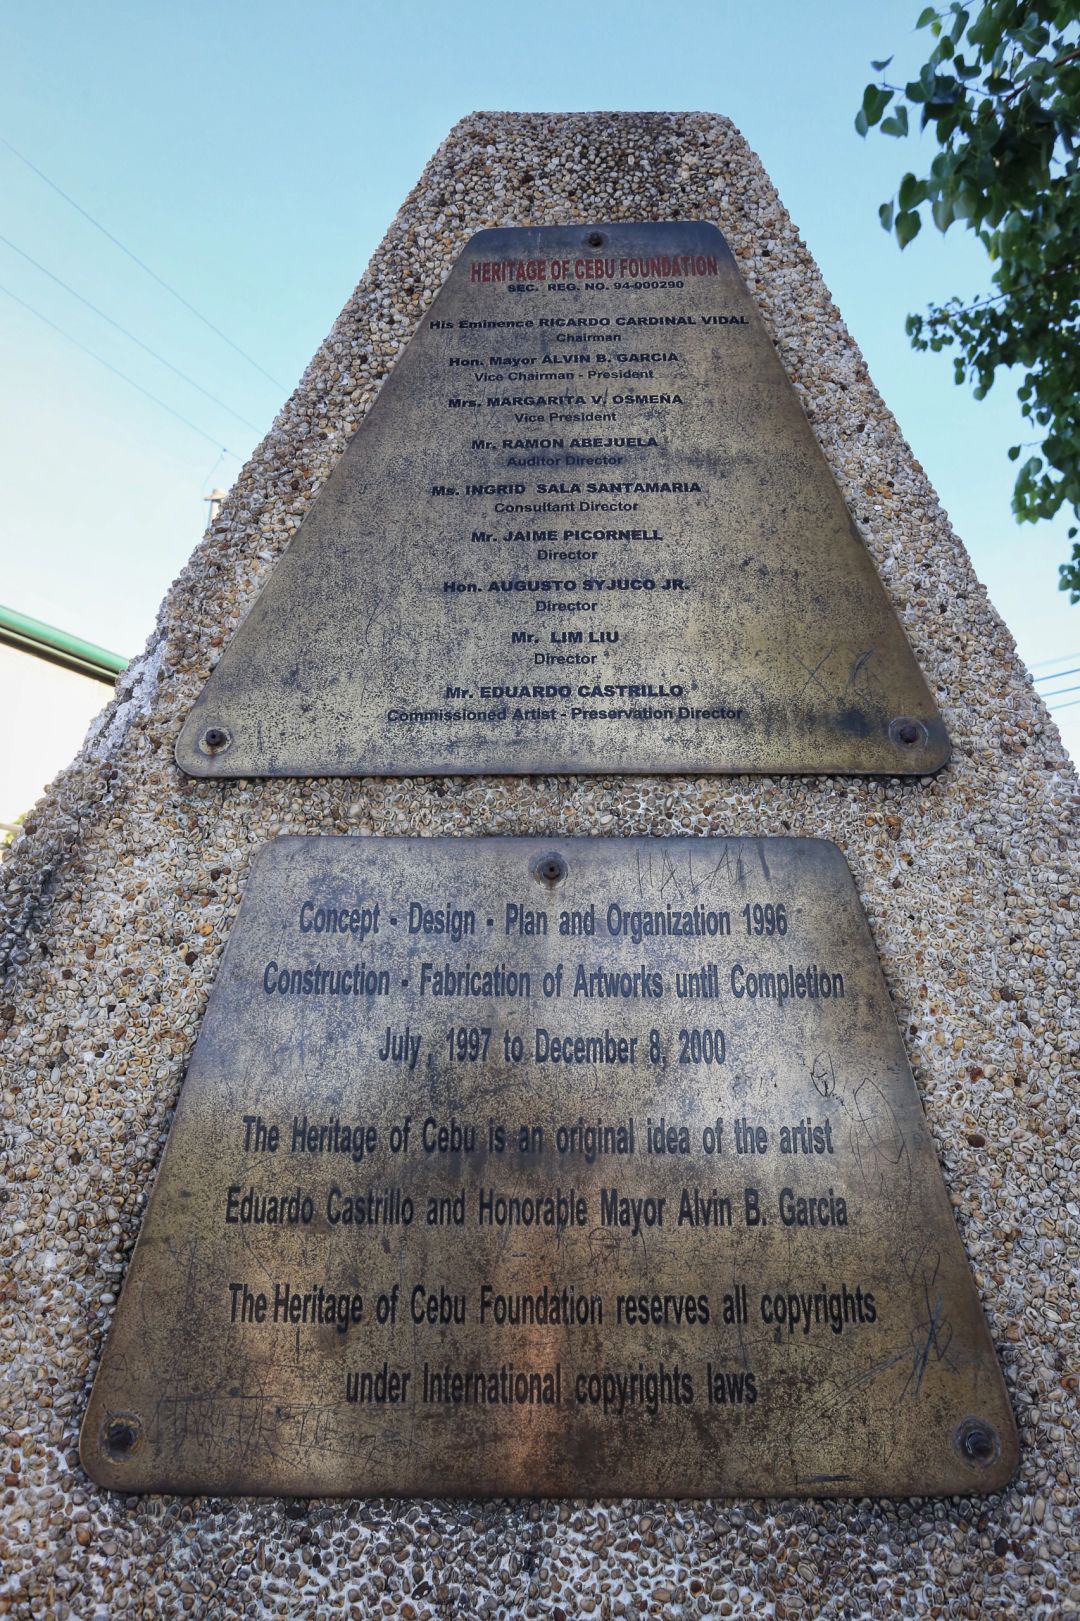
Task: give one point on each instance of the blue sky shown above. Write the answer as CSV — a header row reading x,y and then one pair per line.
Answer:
x,y
254,154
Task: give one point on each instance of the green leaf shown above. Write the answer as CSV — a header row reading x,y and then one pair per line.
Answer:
x,y
1014,451
912,192
985,31
879,67
896,123
927,15
861,126
943,213
907,228
944,92
874,102
885,215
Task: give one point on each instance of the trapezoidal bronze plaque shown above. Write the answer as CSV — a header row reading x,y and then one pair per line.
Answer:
x,y
588,1168
585,527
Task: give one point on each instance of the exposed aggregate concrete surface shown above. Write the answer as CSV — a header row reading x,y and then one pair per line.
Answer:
x,y
119,896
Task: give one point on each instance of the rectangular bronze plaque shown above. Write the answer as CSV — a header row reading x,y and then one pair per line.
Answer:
x,y
589,1168
584,527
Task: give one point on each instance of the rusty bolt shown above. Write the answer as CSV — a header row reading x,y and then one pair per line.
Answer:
x,y
977,1442
906,732
550,870
122,1435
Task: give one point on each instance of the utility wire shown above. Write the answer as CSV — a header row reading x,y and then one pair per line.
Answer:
x,y
1056,675
1062,658
1061,694
1072,703
130,335
212,471
118,373
115,240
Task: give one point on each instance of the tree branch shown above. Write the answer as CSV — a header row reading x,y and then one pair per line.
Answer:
x,y
995,298
1062,61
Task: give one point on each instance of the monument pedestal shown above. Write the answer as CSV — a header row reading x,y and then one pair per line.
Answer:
x,y
120,895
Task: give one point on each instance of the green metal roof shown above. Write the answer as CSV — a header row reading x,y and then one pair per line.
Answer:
x,y
59,647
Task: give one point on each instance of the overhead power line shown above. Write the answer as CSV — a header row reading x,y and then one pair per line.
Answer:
x,y
115,240
1062,658
130,335
118,373
1058,675
1050,696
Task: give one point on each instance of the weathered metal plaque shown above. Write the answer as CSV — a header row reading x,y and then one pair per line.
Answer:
x,y
585,527
593,1168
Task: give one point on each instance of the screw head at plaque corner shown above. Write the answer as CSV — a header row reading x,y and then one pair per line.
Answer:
x,y
122,1435
215,740
977,1442
907,733
595,239
550,869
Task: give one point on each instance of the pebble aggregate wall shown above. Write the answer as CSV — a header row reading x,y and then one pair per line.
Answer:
x,y
116,901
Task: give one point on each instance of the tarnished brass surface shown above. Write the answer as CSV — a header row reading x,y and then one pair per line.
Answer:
x,y
585,527
764,1288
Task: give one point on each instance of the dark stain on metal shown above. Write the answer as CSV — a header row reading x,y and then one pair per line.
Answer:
x,y
533,555
854,721
482,1187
